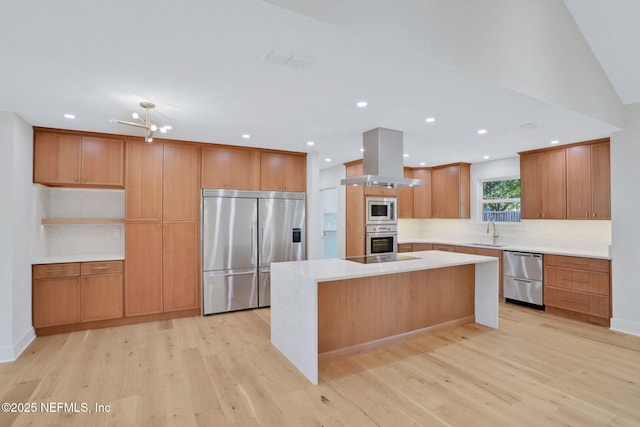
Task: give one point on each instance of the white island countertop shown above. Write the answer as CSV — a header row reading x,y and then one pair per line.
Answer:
x,y
322,270
294,296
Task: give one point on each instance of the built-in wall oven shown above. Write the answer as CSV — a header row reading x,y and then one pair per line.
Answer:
x,y
381,211
381,239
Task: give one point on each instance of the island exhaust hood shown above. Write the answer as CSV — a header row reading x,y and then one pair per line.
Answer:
x,y
382,161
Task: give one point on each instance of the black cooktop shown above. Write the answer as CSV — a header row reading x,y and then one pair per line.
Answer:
x,y
374,259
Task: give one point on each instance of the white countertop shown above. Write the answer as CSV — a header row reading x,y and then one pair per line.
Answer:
x,y
602,253
337,269
76,258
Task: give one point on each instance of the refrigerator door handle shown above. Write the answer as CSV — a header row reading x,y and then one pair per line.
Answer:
x,y
221,274
253,251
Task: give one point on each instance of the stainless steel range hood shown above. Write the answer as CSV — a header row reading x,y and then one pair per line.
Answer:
x,y
383,161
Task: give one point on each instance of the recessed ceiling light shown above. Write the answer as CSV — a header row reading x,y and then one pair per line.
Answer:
x,y
362,104
405,155
327,159
554,142
430,119
69,116
310,143
362,150
246,136
482,131
422,163
485,157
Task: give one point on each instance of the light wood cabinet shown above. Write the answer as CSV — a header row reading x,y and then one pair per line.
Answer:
x,y
405,198
224,167
422,194
144,181
446,248
180,183
180,284
143,268
588,182
101,290
56,301
422,247
354,213
450,196
405,247
283,172
578,287
73,160
71,293
543,185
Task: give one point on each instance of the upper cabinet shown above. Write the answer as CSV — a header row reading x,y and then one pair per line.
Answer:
x,y
225,167
283,172
180,183
589,182
543,185
422,194
73,160
450,191
572,182
405,198
144,181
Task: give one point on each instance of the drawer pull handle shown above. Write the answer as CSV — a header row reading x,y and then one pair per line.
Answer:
x,y
576,263
56,271
573,300
101,268
570,279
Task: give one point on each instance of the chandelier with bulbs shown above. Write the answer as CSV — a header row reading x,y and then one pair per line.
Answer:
x,y
145,122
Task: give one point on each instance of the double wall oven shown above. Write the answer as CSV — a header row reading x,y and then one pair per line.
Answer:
x,y
381,225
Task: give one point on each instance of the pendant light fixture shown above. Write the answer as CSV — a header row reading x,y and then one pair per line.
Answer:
x,y
144,122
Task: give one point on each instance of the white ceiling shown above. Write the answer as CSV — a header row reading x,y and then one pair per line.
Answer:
x,y
203,67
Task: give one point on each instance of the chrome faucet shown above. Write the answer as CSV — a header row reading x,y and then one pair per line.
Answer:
x,y
495,231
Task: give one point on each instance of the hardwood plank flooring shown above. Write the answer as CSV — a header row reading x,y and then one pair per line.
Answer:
x,y
537,369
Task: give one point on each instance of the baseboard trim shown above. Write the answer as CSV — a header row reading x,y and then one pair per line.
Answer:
x,y
625,326
10,353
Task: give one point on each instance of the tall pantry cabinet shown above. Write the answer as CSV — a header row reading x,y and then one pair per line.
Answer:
x,y
161,240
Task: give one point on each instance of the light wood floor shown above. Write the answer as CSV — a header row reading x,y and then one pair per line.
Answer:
x,y
536,369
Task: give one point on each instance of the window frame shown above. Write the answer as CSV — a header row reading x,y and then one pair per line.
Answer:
x,y
482,200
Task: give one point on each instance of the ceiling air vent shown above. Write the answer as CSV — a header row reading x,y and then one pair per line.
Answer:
x,y
287,59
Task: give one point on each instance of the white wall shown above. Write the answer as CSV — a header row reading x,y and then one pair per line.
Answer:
x,y
625,208
16,216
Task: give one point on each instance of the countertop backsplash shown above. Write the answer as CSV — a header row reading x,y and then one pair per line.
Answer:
x,y
77,242
590,236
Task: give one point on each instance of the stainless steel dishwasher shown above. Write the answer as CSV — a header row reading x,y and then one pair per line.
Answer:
x,y
523,278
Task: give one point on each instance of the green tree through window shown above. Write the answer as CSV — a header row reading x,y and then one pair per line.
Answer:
x,y
501,200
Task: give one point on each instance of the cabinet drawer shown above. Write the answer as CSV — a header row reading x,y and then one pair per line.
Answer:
x,y
577,280
405,247
596,305
448,248
579,263
422,246
101,267
43,271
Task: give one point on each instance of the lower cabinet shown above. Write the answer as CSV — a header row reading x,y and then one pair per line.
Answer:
x,y
161,267
70,293
578,287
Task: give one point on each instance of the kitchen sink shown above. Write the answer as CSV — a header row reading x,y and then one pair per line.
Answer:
x,y
493,245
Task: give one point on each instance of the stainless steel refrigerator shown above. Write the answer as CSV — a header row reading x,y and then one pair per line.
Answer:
x,y
243,232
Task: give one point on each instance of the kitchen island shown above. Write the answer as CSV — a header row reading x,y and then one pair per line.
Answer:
x,y
322,309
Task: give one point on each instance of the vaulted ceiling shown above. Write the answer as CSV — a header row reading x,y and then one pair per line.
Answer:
x,y
289,72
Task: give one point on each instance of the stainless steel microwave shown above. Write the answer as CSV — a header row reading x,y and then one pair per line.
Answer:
x,y
381,210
